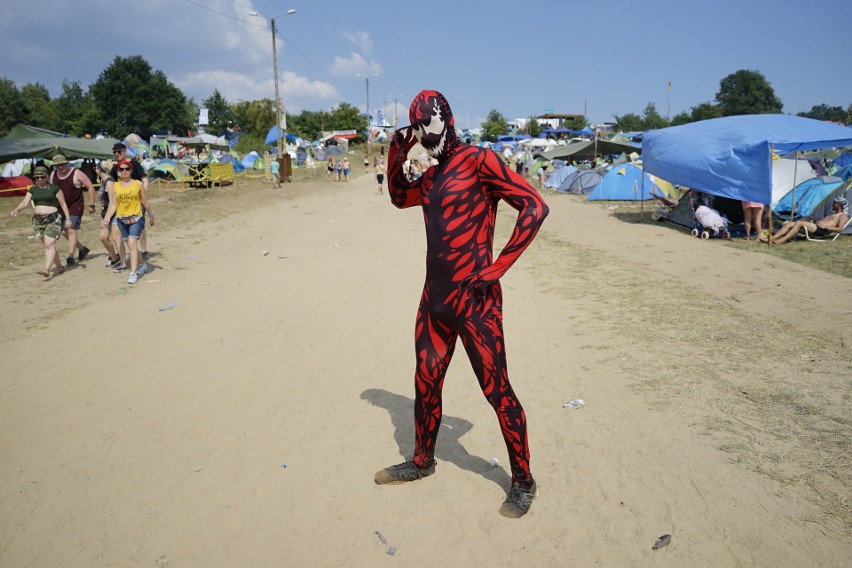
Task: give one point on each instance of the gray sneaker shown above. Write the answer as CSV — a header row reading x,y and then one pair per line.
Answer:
x,y
518,501
403,472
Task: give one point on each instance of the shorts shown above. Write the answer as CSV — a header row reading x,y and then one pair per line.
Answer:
x,y
49,225
821,232
346,172
75,222
130,230
752,205
380,178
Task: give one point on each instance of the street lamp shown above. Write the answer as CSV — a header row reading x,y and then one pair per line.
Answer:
x,y
280,116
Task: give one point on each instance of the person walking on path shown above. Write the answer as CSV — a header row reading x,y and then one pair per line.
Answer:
x,y
72,181
379,167
119,150
109,234
345,167
274,168
130,198
462,297
48,201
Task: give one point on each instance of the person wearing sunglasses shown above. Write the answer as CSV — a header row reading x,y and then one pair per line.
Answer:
x,y
72,181
119,150
130,198
47,221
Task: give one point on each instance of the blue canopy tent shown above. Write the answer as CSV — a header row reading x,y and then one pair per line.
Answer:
x,y
732,156
272,136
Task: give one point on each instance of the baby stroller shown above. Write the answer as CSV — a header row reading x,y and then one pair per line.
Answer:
x,y
706,221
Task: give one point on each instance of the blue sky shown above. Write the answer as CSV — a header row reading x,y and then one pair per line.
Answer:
x,y
601,57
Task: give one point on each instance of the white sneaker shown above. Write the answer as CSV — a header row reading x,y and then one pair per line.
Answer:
x,y
133,278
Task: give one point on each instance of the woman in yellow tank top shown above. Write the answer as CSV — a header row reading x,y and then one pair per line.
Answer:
x,y
126,199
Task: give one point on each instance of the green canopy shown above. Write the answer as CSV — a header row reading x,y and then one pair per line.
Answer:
x,y
27,131
71,148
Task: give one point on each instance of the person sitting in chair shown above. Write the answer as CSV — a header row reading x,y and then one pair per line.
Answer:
x,y
833,223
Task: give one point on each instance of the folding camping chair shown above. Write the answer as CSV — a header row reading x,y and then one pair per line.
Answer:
x,y
829,237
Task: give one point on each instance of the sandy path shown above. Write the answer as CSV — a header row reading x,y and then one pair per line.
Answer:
x,y
243,427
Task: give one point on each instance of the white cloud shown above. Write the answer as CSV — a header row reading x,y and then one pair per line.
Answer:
x,y
293,88
361,40
354,64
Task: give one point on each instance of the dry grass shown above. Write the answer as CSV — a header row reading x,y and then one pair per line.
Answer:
x,y
776,399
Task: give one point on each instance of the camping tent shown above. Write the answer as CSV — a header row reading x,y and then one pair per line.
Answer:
x,y
555,179
786,174
808,197
625,183
581,181
731,156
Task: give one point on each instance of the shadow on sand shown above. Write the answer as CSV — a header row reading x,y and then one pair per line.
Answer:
x,y
448,446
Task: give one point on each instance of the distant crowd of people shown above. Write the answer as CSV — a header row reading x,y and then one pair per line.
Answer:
x,y
59,196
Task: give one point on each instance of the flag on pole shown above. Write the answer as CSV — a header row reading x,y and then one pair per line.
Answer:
x,y
670,85
381,119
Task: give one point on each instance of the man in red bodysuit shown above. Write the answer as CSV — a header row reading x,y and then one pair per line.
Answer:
x,y
462,295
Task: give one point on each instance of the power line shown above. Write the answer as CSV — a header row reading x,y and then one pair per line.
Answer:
x,y
287,41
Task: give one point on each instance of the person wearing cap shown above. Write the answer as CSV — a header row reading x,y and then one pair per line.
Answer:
x,y
119,150
72,181
833,223
47,199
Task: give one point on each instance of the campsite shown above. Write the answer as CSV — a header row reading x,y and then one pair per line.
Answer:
x,y
268,375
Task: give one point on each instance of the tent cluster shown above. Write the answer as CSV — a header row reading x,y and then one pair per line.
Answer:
x,y
164,158
794,165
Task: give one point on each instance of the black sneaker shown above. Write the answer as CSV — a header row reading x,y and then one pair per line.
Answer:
x,y
518,501
84,252
145,256
70,261
403,472
113,263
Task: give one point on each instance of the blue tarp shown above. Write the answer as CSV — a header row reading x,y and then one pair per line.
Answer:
x,y
731,156
272,136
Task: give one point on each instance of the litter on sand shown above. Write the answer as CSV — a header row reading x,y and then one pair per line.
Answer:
x,y
662,541
168,306
575,403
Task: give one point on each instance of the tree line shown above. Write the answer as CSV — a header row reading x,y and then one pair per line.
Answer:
x,y
131,97
743,92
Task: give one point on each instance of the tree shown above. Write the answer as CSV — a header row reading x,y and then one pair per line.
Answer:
x,y
824,112
681,118
848,120
651,118
628,123
705,111
218,113
747,92
495,125
533,127
12,107
347,117
260,117
308,124
39,106
76,113
134,98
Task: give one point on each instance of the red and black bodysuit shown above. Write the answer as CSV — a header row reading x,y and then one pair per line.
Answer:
x,y
462,295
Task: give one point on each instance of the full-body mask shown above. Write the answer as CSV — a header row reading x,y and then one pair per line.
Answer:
x,y
462,295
